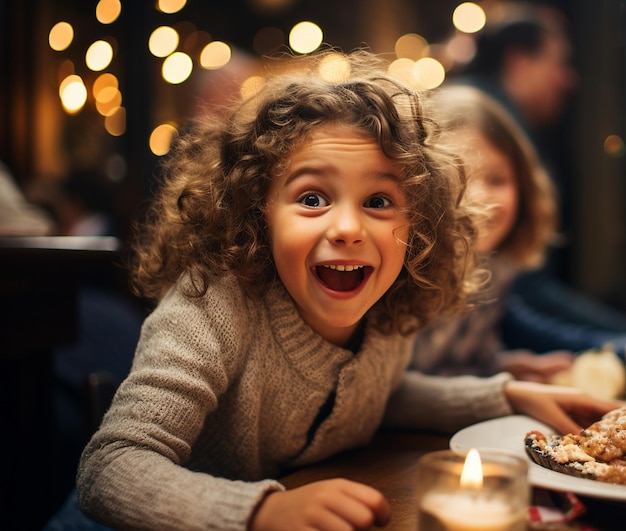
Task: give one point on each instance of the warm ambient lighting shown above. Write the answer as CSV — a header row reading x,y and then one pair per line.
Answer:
x,y
61,36
177,68
334,68
469,17
461,48
428,73
107,11
305,37
614,146
115,122
472,492
251,86
412,46
99,56
161,139
170,6
73,93
402,69
472,474
103,81
215,55
107,100
163,41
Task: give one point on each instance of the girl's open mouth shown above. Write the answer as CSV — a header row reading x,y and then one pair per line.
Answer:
x,y
342,277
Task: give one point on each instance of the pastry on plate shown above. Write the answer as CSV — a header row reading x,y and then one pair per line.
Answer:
x,y
598,452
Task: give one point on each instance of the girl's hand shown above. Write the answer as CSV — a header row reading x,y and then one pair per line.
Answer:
x,y
566,409
330,505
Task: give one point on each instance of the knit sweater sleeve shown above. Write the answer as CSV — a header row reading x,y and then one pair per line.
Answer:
x,y
446,404
132,474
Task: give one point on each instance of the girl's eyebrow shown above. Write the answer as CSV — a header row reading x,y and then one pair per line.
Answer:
x,y
306,170
326,170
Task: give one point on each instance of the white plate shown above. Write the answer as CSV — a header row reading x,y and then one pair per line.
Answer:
x,y
508,433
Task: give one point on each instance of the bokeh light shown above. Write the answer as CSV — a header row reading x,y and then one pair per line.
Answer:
x,y
108,99
215,55
412,46
177,68
163,41
402,69
73,93
250,86
61,36
428,73
334,68
103,81
614,146
461,48
107,11
469,17
115,121
99,56
170,6
161,139
305,37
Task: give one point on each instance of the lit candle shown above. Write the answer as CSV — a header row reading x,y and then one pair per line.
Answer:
x,y
469,495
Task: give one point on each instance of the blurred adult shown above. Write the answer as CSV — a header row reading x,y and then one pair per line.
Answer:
x,y
523,60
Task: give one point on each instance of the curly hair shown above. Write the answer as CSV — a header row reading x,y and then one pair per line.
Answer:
x,y
460,107
209,215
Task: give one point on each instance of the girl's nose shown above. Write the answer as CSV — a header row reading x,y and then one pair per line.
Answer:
x,y
346,226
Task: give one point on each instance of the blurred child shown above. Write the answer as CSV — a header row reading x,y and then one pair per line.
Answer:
x,y
506,178
294,249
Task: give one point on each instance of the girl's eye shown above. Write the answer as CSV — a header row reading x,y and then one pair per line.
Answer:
x,y
377,201
313,200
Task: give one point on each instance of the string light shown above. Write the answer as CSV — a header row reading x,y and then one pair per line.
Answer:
x,y
305,37
61,36
215,55
108,11
469,17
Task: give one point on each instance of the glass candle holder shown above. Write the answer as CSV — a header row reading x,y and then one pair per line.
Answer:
x,y
474,491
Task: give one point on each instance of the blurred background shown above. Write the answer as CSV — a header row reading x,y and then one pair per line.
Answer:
x,y
99,88
93,92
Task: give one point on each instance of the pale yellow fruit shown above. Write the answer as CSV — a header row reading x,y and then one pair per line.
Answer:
x,y
598,372
562,378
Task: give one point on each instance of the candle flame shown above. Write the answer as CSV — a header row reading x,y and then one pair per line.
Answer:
x,y
472,474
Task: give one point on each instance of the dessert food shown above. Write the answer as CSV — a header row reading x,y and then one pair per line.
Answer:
x,y
598,452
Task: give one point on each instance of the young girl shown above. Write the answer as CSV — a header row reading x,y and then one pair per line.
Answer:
x,y
506,177
294,248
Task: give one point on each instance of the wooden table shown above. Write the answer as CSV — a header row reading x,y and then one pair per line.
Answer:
x,y
390,462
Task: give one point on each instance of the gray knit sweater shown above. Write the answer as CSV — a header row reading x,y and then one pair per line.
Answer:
x,y
469,343
222,395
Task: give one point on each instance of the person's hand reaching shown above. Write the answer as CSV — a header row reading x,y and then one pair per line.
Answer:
x,y
329,505
566,409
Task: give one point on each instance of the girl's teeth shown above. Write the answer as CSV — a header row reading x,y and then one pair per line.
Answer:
x,y
344,267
